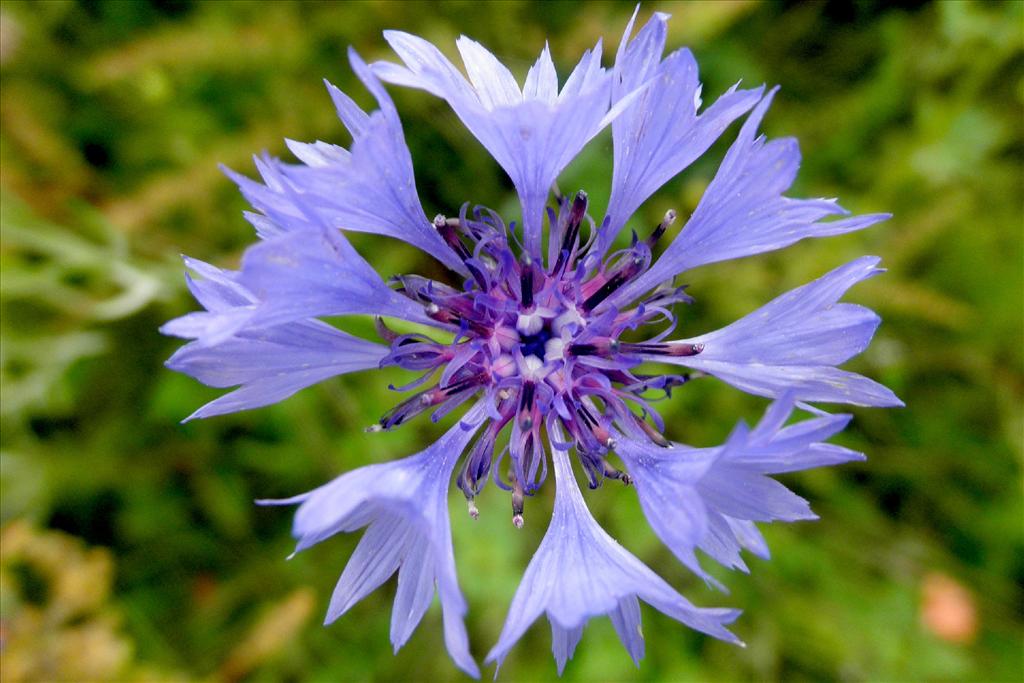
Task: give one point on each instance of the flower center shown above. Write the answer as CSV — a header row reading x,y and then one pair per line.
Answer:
x,y
534,344
541,344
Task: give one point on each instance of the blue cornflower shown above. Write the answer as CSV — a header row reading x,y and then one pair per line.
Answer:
x,y
529,335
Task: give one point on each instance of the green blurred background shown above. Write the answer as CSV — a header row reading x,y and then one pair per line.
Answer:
x,y
131,547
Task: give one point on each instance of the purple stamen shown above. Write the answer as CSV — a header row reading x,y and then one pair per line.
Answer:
x,y
531,339
669,219
672,350
572,231
526,282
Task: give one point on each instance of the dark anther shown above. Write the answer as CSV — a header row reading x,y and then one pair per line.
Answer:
x,y
618,278
448,228
518,499
612,472
606,347
583,349
674,350
684,349
579,208
450,317
526,281
526,396
441,315
402,412
592,468
603,436
669,219
652,433
594,426
451,237
587,418
572,231
465,383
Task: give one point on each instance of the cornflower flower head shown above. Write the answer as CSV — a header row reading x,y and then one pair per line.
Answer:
x,y
528,334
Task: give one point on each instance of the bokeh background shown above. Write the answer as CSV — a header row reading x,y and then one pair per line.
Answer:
x,y
131,547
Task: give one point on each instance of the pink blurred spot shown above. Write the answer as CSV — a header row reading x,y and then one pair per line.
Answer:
x,y
948,609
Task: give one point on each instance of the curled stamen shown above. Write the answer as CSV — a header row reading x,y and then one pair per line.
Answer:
x,y
592,468
383,331
664,383
612,472
407,351
422,289
455,392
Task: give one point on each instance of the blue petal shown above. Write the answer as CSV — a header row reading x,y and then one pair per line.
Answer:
x,y
218,289
211,326
298,275
774,449
563,643
493,82
626,620
580,572
542,79
315,273
415,591
404,504
637,60
370,189
743,494
743,211
666,482
532,133
270,347
381,551
660,134
709,498
792,343
228,304
274,363
727,537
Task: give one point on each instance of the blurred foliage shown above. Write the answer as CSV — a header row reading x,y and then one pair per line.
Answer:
x,y
112,120
58,623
